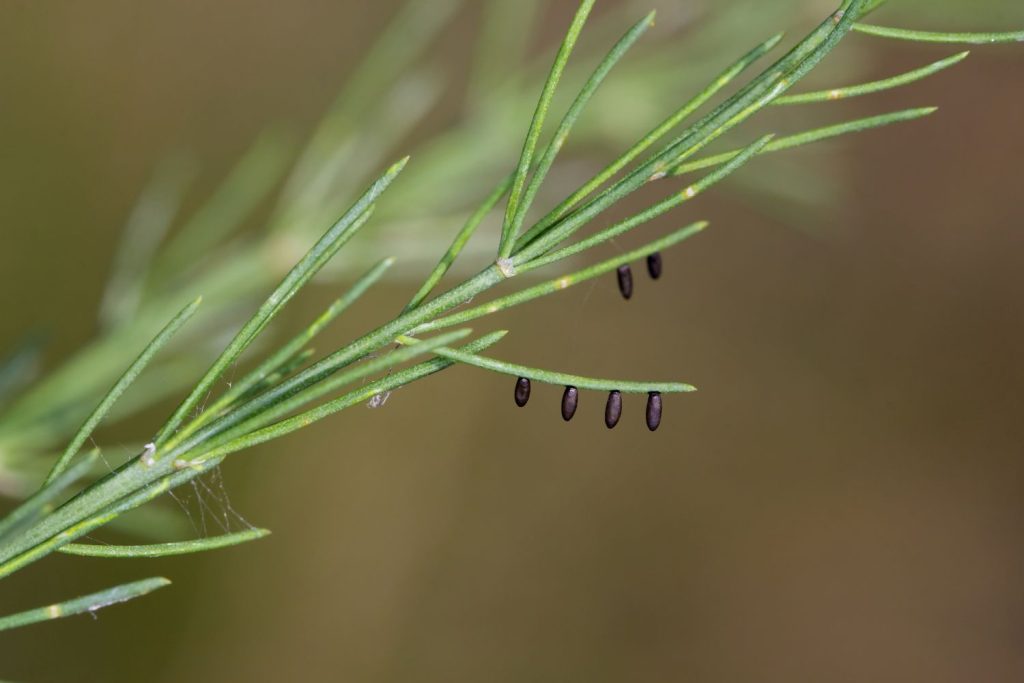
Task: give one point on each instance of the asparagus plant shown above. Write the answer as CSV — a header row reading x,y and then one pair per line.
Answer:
x,y
287,390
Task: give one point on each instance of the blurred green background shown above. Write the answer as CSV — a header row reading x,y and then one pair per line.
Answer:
x,y
841,501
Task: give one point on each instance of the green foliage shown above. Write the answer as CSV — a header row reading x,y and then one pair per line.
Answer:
x,y
938,37
163,549
87,604
285,392
133,371
517,204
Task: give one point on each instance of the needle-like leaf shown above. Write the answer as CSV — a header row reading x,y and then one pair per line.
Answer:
x,y
771,84
282,357
874,86
337,381
365,393
571,116
645,143
164,549
44,500
133,371
85,604
537,124
810,136
561,232
40,540
459,243
307,267
939,37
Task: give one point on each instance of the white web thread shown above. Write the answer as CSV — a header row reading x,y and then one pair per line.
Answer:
x,y
208,506
206,501
216,477
99,452
183,504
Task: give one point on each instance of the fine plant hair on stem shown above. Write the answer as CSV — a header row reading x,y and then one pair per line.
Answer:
x,y
288,390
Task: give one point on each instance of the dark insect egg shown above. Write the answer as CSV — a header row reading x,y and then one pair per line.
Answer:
x,y
654,265
653,410
625,281
570,399
522,391
613,409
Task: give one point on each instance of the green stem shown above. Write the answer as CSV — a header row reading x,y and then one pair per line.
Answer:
x,y
44,501
361,395
280,358
368,343
328,386
559,283
458,244
572,115
134,484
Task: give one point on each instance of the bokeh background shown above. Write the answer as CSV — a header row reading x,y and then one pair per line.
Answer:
x,y
841,501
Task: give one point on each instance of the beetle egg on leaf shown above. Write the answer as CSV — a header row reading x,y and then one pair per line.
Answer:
x,y
522,391
570,400
613,409
625,276
654,265
653,410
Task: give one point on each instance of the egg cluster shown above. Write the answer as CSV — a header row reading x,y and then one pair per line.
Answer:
x,y
613,407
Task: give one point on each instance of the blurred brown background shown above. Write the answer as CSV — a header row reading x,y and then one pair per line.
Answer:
x,y
840,502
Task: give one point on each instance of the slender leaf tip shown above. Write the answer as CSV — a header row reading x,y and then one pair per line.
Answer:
x,y
399,165
493,337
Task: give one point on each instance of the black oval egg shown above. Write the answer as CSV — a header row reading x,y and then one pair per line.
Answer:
x,y
625,281
570,400
654,265
613,409
522,391
653,410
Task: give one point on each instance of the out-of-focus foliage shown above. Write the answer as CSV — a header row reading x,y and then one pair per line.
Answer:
x,y
167,258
